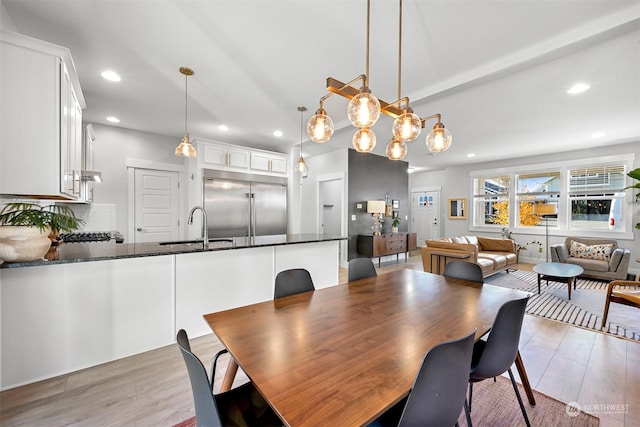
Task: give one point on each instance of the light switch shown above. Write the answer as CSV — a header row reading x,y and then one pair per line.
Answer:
x,y
359,206
353,217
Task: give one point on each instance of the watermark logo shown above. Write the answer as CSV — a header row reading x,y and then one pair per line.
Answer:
x,y
573,409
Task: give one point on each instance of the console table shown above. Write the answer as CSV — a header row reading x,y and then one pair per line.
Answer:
x,y
387,244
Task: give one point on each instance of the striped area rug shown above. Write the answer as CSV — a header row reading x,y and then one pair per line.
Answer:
x,y
584,309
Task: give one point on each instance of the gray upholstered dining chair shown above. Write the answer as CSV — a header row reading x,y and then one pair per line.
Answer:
x,y
464,270
495,356
438,394
360,268
291,282
242,405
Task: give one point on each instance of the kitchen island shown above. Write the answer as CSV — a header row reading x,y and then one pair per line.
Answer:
x,y
97,302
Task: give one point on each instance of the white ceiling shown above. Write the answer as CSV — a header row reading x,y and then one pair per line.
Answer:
x,y
496,70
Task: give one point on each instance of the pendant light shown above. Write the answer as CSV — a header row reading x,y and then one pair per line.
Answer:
x,y
364,109
301,166
185,149
406,127
396,149
439,139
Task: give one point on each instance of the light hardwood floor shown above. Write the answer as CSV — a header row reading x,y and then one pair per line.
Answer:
x,y
600,372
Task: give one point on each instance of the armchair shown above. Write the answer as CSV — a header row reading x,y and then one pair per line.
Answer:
x,y
630,295
613,267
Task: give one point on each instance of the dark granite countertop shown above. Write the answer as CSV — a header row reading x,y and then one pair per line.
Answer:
x,y
67,253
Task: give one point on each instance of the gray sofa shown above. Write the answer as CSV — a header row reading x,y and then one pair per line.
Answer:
x,y
615,268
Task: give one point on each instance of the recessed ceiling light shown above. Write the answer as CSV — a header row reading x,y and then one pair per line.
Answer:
x,y
578,88
113,119
223,128
112,76
597,135
471,155
277,133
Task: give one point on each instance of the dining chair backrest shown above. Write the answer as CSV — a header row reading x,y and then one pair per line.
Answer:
x,y
360,268
291,282
501,346
204,402
464,270
439,391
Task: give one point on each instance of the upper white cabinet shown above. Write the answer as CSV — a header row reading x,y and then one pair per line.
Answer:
x,y
274,163
225,156
40,120
215,155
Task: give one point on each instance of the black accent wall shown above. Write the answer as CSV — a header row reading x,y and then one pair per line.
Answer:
x,y
370,178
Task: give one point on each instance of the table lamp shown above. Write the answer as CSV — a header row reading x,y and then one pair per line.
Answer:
x,y
376,208
544,210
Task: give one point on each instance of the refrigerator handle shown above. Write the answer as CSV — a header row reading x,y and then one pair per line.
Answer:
x,y
249,199
253,214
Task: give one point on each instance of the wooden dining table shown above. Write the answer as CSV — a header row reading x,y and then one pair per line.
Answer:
x,y
343,355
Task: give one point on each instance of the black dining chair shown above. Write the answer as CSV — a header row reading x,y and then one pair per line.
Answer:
x,y
437,397
242,405
360,268
291,282
497,354
464,270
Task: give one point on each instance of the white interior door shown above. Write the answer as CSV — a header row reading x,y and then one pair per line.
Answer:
x,y
331,207
156,206
425,209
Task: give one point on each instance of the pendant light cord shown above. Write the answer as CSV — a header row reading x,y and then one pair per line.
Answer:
x,y
186,77
400,51
367,49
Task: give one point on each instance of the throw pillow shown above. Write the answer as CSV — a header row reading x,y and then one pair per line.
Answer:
x,y
597,252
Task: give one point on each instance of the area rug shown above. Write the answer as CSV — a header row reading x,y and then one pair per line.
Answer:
x,y
495,404
585,308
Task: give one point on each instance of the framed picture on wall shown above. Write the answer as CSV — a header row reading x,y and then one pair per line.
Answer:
x,y
396,204
457,208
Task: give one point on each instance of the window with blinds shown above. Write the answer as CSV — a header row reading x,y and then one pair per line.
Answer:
x,y
582,196
537,188
491,200
596,198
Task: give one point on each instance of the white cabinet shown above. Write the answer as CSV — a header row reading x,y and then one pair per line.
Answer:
x,y
230,157
41,116
269,162
222,156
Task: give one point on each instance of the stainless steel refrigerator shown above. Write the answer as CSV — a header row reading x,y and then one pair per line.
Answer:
x,y
244,205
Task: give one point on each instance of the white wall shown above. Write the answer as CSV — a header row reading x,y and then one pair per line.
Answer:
x,y
5,21
455,182
113,147
325,164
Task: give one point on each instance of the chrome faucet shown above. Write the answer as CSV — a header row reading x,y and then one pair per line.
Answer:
x,y
205,231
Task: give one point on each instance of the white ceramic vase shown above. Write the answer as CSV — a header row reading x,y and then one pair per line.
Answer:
x,y
20,244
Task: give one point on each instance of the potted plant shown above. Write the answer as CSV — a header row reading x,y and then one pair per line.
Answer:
x,y
394,224
27,229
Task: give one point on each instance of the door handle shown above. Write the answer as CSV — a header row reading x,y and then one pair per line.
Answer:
x,y
140,229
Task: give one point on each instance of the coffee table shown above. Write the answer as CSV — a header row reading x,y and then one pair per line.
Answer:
x,y
558,272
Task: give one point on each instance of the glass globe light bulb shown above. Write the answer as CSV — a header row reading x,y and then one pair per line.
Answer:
x,y
396,150
364,140
301,166
320,127
407,127
364,109
185,149
439,139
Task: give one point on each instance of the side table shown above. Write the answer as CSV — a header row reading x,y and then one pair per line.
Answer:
x,y
440,256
